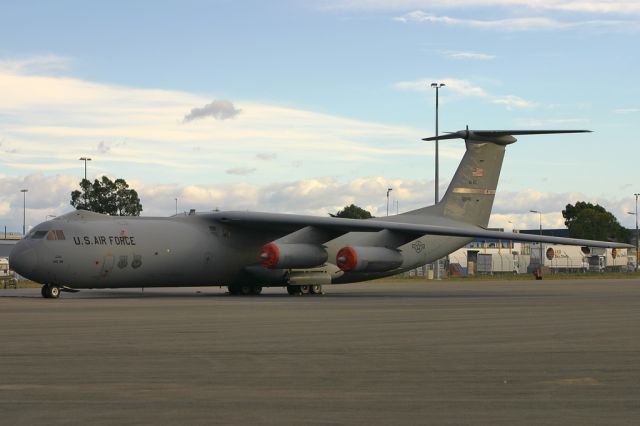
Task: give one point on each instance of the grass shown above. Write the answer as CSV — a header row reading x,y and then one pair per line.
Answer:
x,y
23,284
530,277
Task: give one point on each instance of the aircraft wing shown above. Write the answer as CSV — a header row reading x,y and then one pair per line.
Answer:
x,y
334,227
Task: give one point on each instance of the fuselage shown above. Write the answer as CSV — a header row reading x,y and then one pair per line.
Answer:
x,y
88,250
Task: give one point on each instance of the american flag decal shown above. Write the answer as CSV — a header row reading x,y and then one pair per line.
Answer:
x,y
477,172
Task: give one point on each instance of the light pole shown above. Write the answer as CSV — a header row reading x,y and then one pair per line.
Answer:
x,y
437,86
176,206
24,211
85,159
540,217
388,191
84,195
637,242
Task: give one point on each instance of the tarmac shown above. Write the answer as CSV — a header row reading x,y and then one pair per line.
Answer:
x,y
402,352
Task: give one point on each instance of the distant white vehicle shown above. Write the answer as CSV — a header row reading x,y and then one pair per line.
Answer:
x,y
559,258
612,260
497,263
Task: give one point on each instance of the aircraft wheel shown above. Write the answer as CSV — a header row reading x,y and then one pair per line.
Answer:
x,y
246,289
44,291
316,289
293,290
53,291
304,289
256,289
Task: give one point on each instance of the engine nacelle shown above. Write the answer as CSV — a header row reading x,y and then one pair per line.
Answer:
x,y
368,259
290,256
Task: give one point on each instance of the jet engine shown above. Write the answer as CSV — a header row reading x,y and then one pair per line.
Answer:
x,y
368,259
290,256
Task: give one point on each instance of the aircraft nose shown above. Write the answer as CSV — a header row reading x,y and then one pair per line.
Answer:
x,y
22,259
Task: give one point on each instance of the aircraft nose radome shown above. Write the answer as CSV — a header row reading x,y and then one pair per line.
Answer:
x,y
22,259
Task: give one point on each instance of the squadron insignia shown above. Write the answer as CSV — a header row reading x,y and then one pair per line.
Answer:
x,y
418,246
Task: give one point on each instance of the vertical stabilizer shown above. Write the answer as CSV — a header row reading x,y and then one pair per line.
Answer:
x,y
470,195
472,190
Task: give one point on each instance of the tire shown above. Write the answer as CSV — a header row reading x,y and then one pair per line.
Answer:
x,y
304,289
44,291
315,289
256,289
293,290
53,291
246,289
233,290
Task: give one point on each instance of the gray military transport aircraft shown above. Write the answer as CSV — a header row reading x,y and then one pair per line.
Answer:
x,y
247,251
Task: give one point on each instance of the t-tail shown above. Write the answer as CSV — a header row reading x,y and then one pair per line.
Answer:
x,y
470,195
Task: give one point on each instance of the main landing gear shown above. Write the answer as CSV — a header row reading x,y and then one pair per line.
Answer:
x,y
300,290
50,291
294,290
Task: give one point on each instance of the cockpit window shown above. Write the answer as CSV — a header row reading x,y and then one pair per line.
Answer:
x,y
37,235
55,235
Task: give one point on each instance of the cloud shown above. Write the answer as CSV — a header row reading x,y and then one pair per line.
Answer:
x,y
626,110
512,101
266,156
47,195
535,122
241,171
50,195
516,206
469,55
35,64
108,147
4,148
52,119
220,110
103,148
466,88
619,7
507,24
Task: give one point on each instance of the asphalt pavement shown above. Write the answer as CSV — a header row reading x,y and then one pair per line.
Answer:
x,y
406,352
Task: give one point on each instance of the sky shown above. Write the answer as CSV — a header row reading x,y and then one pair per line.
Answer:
x,y
305,107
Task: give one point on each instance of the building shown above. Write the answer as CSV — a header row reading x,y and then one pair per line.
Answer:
x,y
7,243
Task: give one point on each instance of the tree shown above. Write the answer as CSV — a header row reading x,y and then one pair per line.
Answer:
x,y
105,196
353,212
593,222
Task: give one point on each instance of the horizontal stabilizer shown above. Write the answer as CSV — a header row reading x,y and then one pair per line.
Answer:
x,y
501,137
